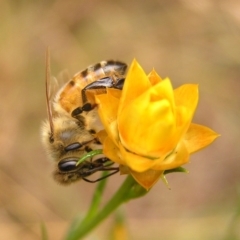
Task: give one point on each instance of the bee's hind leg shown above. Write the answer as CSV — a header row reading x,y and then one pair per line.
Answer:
x,y
102,83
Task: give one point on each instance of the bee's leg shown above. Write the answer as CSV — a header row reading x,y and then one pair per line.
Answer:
x,y
99,84
98,165
107,82
114,171
103,160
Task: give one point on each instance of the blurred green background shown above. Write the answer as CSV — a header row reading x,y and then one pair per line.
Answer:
x,y
186,40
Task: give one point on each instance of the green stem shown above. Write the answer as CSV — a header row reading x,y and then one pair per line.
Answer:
x,y
93,207
124,193
97,197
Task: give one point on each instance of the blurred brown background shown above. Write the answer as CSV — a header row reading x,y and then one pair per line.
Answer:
x,y
186,40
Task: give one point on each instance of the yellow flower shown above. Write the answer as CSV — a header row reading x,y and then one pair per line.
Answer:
x,y
148,125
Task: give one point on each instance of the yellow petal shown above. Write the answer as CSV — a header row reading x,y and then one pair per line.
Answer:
x,y
134,161
148,178
101,136
107,110
114,92
186,99
163,90
183,121
154,78
111,151
177,158
187,96
198,137
148,123
107,105
135,84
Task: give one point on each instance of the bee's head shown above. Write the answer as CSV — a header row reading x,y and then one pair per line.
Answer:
x,y
68,143
69,137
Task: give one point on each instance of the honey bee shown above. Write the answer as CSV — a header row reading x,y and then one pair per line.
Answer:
x,y
72,124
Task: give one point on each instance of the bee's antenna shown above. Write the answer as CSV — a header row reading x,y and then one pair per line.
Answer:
x,y
49,109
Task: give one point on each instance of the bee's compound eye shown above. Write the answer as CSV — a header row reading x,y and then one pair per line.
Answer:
x,y
73,146
67,165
